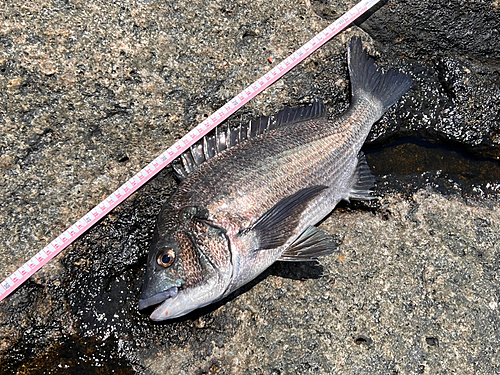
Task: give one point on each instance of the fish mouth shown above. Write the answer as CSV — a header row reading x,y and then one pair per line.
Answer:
x,y
158,298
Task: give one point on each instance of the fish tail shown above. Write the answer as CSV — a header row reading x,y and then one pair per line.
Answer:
x,y
366,80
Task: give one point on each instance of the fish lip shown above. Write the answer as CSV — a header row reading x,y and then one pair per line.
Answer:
x,y
158,298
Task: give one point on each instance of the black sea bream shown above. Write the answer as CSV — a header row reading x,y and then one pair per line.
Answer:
x,y
252,196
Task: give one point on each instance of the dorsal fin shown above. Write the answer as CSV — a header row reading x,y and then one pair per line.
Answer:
x,y
288,116
215,142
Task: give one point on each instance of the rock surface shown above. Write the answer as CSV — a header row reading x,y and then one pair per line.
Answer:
x,y
90,92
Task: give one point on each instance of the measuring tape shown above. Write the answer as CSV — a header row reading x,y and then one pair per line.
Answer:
x,y
128,188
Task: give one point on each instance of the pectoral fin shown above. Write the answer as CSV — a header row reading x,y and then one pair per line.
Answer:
x,y
310,245
276,226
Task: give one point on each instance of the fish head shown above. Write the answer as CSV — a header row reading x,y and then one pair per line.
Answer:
x,y
189,264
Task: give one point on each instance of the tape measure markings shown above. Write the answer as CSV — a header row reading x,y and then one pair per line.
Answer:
x,y
133,184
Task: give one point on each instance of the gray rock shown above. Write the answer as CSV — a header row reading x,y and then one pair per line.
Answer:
x,y
91,92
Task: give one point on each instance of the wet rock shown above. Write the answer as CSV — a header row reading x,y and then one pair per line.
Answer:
x,y
453,49
85,104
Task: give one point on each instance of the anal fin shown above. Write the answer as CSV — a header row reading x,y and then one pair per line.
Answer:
x,y
310,245
363,180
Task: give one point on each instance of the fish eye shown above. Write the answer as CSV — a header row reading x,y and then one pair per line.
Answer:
x,y
166,258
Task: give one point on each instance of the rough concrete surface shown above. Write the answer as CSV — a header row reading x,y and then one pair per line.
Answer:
x,y
91,91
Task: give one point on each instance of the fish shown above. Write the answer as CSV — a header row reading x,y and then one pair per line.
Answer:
x,y
252,195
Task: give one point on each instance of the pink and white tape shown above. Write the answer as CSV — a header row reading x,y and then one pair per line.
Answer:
x,y
108,204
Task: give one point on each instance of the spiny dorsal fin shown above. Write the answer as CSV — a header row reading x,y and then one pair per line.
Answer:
x,y
216,142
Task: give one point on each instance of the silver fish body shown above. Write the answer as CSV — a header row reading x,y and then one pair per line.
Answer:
x,y
245,207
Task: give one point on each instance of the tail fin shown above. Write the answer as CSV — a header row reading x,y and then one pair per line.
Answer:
x,y
366,79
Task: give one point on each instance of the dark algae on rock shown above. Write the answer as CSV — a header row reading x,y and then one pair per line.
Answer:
x,y
91,92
